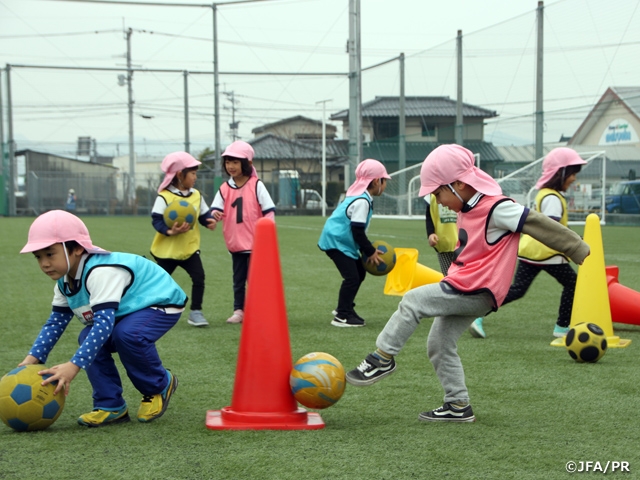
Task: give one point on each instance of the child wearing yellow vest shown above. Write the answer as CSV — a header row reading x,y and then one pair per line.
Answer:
x,y
179,246
559,170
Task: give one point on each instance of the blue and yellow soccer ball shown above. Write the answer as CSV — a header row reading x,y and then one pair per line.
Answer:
x,y
388,259
180,211
586,342
317,380
26,405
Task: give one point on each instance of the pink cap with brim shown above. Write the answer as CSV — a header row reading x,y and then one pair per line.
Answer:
x,y
555,160
366,171
448,163
172,164
239,149
57,226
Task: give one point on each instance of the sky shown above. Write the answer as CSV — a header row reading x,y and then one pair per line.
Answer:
x,y
589,46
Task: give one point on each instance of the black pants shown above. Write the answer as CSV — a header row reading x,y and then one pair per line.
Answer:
x,y
563,273
240,272
193,266
353,274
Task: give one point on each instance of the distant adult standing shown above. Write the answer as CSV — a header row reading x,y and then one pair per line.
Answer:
x,y
71,200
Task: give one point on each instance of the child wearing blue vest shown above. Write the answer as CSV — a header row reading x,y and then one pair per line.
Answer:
x,y
179,246
126,303
344,238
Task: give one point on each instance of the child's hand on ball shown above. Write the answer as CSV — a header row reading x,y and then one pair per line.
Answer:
x,y
177,229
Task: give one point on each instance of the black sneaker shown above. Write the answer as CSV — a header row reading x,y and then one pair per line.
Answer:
x,y
370,371
348,321
448,413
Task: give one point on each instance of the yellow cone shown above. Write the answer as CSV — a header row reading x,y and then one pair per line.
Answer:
x,y
408,273
591,300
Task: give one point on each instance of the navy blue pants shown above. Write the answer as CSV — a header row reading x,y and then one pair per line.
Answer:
x,y
134,340
564,275
353,274
240,263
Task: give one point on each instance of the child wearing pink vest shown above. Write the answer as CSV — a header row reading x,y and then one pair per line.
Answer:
x,y
477,282
240,202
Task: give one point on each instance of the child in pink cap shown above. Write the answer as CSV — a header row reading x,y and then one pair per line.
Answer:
x,y
240,202
489,226
344,238
179,246
125,302
559,170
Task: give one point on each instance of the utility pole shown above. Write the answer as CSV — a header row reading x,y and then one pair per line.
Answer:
x,y
233,125
132,162
324,157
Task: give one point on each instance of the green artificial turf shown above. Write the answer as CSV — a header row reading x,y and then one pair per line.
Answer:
x,y
536,408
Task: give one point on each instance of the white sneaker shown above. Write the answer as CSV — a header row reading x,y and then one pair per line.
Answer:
x,y
196,319
237,317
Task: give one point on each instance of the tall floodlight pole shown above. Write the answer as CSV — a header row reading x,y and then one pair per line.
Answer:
x,y
217,163
132,161
187,143
539,82
355,101
459,118
12,147
402,139
324,157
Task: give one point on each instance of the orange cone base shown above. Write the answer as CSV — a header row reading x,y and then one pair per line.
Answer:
x,y
612,342
227,419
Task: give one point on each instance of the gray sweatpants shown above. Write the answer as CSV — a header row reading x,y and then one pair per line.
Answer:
x,y
453,314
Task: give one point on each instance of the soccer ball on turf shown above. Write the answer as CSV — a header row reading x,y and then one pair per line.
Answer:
x,y
25,404
586,342
317,380
388,259
180,211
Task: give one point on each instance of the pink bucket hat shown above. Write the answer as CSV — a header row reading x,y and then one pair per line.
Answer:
x,y
239,149
172,164
366,171
555,160
57,226
448,163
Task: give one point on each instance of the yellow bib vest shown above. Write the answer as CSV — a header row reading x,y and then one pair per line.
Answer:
x,y
444,223
178,247
531,249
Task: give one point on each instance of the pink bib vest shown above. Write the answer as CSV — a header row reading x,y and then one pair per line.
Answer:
x,y
479,266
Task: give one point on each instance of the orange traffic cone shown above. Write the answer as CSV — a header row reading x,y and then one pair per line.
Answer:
x,y
591,300
625,302
262,398
408,273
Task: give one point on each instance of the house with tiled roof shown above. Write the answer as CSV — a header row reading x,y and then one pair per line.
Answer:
x,y
429,121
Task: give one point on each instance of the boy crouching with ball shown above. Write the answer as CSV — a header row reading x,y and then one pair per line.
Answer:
x,y
126,303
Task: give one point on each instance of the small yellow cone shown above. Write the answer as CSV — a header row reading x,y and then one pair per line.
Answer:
x,y
591,300
408,273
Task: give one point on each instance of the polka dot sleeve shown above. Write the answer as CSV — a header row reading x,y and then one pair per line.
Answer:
x,y
50,333
103,322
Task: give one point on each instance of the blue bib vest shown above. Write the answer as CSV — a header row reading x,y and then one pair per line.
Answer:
x,y
336,233
150,286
